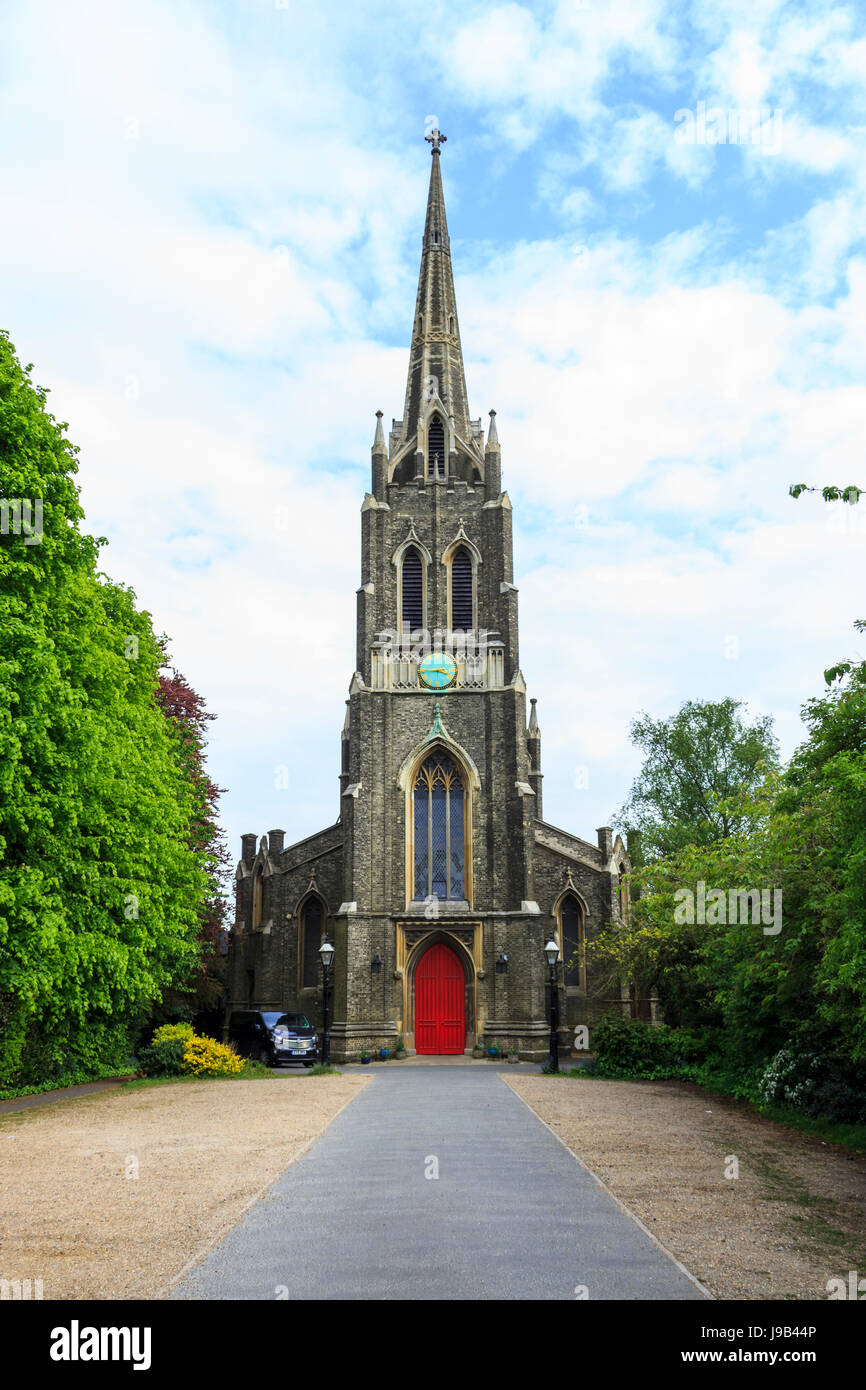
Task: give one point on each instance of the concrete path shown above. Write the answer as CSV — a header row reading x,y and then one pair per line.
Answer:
x,y
510,1215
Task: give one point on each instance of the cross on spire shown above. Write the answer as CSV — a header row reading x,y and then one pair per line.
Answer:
x,y
435,138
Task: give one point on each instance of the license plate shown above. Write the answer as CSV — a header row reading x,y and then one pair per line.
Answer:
x,y
299,1052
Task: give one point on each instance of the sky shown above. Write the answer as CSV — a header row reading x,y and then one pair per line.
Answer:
x,y
209,247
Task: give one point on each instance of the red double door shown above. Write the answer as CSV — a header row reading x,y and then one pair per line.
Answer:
x,y
440,1002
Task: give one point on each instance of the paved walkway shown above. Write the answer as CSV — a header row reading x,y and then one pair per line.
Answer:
x,y
511,1215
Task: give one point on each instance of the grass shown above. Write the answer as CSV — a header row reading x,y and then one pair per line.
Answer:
x,y
253,1071
323,1069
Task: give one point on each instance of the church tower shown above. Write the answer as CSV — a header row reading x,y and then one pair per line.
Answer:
x,y
441,883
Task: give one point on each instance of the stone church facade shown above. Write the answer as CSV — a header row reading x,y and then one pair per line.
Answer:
x,y
441,882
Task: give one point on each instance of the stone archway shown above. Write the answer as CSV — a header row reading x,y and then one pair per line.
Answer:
x,y
453,975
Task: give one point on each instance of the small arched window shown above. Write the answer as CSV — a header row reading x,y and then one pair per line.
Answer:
x,y
412,587
461,591
450,323
439,827
624,893
312,924
571,929
436,448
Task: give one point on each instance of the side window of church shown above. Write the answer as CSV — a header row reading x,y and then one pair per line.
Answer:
x,y
570,916
436,448
413,590
311,939
461,591
439,828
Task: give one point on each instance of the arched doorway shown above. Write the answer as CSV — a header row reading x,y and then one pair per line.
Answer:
x,y
440,1002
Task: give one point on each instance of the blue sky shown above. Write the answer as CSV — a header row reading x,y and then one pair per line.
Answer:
x,y
211,231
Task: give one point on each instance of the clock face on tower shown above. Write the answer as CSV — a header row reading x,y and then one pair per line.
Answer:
x,y
438,670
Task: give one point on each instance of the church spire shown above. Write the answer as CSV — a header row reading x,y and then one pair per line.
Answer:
x,y
436,372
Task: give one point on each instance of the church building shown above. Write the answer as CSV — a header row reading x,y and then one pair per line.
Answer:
x,y
441,882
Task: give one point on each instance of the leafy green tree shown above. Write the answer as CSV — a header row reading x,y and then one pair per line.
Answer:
x,y
696,766
101,884
799,983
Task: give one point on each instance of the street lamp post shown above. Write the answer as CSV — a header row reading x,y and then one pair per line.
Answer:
x,y
326,951
551,950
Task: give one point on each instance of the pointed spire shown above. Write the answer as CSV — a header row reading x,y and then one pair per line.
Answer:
x,y
533,718
493,435
436,359
379,441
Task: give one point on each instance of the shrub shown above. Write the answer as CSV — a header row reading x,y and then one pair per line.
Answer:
x,y
207,1057
817,1084
169,1031
163,1058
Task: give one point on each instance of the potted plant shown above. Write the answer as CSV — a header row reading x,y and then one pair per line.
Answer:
x,y
478,1049
365,1059
513,1056
384,1053
493,1052
399,1052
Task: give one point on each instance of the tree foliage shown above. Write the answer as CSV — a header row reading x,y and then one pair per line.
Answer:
x,y
758,992
696,766
102,880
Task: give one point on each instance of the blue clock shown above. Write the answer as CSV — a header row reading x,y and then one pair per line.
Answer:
x,y
438,670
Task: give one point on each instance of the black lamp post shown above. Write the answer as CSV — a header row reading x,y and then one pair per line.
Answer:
x,y
326,951
551,950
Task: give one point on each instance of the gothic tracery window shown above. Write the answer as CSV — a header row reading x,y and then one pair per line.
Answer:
x,y
439,824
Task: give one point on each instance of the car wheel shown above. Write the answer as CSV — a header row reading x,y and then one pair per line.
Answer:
x,y
265,1057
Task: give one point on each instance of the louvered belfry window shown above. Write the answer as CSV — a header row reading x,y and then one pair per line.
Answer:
x,y
572,944
413,590
436,448
439,813
312,918
461,591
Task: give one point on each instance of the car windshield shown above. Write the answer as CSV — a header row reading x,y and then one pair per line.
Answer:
x,y
286,1020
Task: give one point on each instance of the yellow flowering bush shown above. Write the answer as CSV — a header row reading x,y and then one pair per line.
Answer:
x,y
169,1032
207,1057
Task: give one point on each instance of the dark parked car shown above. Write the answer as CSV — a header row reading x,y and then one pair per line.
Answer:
x,y
273,1037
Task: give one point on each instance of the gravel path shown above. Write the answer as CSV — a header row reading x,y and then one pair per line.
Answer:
x,y
439,1183
74,1214
794,1218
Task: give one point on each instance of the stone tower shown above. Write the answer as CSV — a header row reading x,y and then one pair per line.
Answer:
x,y
441,883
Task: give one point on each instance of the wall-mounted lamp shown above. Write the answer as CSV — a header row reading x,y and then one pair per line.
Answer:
x,y
502,964
376,964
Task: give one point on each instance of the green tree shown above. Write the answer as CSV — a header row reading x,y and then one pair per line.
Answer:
x,y
101,884
696,766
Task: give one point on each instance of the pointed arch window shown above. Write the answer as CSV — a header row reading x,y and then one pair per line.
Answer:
x,y
572,940
439,826
436,448
461,591
412,590
257,897
311,932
